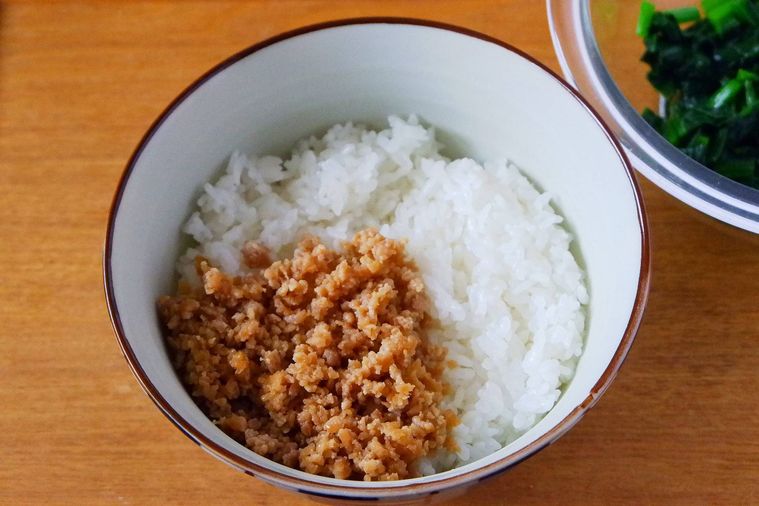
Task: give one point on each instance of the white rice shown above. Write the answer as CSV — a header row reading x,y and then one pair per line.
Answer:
x,y
504,286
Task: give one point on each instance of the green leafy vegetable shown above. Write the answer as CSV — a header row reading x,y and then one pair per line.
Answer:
x,y
708,72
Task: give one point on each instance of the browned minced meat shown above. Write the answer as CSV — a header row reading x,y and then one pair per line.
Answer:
x,y
319,362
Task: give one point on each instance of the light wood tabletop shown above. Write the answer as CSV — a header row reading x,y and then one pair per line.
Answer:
x,y
80,82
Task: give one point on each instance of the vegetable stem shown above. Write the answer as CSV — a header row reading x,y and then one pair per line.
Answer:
x,y
724,15
725,94
744,75
751,100
709,5
647,10
685,14
675,129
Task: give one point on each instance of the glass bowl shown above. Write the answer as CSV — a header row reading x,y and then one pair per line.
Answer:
x,y
599,54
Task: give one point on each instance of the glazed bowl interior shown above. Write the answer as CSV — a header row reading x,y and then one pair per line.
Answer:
x,y
600,55
488,101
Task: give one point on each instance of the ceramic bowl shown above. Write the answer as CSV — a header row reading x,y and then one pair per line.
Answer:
x,y
597,45
488,100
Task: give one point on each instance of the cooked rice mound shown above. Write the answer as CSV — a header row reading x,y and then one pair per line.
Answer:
x,y
319,361
506,291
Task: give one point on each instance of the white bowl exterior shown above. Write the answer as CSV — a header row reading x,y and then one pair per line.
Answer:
x,y
487,102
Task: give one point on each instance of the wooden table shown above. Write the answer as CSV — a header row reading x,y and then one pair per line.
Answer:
x,y
79,84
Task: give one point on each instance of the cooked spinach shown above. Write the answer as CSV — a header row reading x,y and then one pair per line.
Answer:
x,y
707,69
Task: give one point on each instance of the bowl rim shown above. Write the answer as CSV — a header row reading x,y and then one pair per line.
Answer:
x,y
339,488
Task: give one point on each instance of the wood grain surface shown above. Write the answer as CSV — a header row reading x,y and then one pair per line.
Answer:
x,y
79,84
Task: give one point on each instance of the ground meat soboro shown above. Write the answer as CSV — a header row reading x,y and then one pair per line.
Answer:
x,y
319,362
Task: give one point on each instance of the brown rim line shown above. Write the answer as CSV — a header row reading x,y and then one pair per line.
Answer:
x,y
400,488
